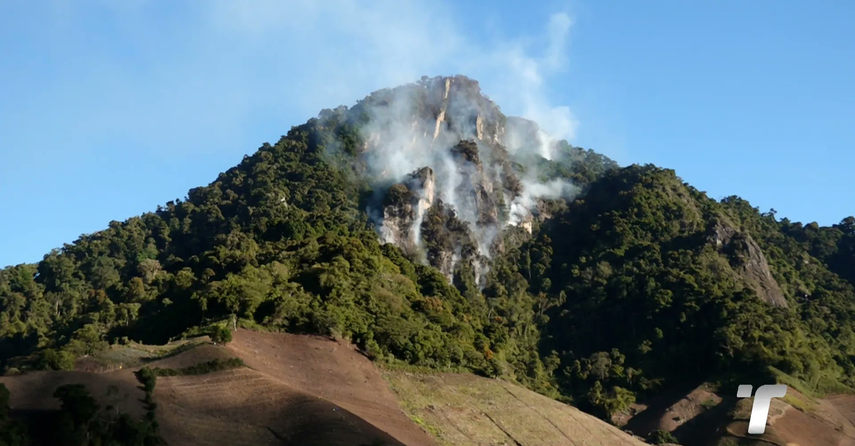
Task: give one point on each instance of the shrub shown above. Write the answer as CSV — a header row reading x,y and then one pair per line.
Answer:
x,y
50,359
660,436
199,369
148,378
221,335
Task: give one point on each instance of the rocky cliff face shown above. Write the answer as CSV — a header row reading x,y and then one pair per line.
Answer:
x,y
405,207
440,141
748,259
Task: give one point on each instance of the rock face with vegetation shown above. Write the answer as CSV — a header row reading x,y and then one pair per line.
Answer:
x,y
430,229
747,258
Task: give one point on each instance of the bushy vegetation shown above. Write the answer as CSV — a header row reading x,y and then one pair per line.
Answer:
x,y
619,294
660,436
146,375
221,335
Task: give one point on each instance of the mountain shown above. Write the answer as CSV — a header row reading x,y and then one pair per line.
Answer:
x,y
431,230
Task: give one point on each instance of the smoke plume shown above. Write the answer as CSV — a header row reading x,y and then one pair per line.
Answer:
x,y
447,125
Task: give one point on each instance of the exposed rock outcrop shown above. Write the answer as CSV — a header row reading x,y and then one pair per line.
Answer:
x,y
748,259
405,207
442,139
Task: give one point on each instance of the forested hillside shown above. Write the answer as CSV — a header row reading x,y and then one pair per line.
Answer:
x,y
510,255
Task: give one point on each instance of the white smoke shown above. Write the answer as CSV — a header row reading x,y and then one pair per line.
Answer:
x,y
521,81
533,191
416,126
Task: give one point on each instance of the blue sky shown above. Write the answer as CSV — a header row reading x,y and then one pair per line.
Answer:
x,y
108,109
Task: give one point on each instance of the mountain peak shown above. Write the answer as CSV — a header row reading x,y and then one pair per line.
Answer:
x,y
485,168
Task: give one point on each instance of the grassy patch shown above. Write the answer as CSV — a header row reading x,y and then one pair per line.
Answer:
x,y
728,441
134,354
709,403
433,430
742,409
821,386
400,366
803,404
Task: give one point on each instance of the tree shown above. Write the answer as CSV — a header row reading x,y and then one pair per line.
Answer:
x,y
660,436
221,335
77,414
148,379
12,433
50,359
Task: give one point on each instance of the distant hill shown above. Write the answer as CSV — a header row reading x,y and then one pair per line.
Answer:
x,y
432,230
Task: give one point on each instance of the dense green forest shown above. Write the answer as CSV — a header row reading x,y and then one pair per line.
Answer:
x,y
623,291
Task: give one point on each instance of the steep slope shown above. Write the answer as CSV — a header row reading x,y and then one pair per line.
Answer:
x,y
291,402
245,407
333,371
466,410
663,286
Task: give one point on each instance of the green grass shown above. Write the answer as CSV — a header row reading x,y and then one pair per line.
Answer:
x,y
433,430
728,441
709,404
803,404
823,385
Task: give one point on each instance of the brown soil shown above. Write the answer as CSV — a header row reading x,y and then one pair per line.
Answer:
x,y
693,415
792,427
312,391
826,422
844,407
33,392
297,390
334,371
244,407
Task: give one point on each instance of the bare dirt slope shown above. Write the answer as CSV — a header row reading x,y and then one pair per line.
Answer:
x,y
413,409
467,410
789,426
244,407
312,391
334,371
296,390
33,392
844,407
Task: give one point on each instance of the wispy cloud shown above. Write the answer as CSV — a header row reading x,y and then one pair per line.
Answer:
x,y
167,78
354,47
